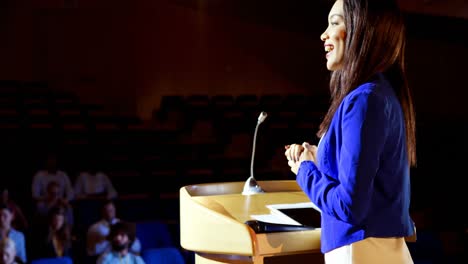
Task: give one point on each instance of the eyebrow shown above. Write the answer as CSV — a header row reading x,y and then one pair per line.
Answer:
x,y
338,15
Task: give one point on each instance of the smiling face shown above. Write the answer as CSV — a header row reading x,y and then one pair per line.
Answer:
x,y
334,37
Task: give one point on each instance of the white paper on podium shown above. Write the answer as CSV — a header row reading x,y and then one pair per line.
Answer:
x,y
275,219
276,216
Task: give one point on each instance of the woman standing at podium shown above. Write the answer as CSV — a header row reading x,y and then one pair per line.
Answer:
x,y
358,175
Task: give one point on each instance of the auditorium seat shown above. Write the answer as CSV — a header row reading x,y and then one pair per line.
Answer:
x,y
167,255
153,234
62,260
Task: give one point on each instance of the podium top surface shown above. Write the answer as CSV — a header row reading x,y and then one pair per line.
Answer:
x,y
225,188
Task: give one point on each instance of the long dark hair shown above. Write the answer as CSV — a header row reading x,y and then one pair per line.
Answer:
x,y
64,232
375,43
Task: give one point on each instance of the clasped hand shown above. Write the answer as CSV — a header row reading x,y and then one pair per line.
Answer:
x,y
296,154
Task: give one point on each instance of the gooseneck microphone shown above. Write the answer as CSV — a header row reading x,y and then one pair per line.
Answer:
x,y
251,186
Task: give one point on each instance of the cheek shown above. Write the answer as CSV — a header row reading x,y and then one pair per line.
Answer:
x,y
341,38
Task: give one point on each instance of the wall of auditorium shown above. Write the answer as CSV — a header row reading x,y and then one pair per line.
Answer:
x,y
128,58
128,55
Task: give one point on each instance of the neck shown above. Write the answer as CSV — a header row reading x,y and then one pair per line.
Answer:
x,y
4,231
123,252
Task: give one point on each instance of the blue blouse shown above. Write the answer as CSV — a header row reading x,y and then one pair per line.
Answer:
x,y
360,180
18,238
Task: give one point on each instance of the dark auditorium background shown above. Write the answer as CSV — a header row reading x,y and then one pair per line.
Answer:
x,y
169,90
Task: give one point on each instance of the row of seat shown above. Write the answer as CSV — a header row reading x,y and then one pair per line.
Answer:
x,y
241,100
167,255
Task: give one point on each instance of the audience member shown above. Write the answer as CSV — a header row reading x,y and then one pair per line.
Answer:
x,y
93,183
51,173
120,237
19,221
96,242
8,252
55,240
8,232
53,199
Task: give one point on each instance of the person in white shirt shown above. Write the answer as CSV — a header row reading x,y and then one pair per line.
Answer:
x,y
43,177
92,183
52,199
96,238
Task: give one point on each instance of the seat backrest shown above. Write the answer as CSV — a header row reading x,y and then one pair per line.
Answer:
x,y
166,255
62,260
153,234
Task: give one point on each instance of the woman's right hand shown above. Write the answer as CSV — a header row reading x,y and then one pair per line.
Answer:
x,y
293,152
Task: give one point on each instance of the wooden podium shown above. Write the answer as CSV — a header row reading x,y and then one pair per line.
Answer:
x,y
212,224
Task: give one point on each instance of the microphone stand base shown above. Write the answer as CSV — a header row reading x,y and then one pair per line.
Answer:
x,y
251,187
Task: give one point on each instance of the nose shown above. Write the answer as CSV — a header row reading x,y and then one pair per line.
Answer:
x,y
324,36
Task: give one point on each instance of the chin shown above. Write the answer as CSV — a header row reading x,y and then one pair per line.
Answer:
x,y
331,66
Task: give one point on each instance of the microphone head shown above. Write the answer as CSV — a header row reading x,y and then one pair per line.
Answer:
x,y
262,117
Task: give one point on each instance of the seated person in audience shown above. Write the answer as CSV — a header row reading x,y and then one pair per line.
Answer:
x,y
8,232
8,252
42,178
53,199
96,242
92,183
120,237
55,238
19,221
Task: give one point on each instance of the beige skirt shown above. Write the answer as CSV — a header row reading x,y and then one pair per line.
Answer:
x,y
371,251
